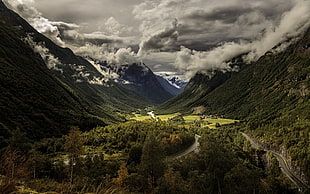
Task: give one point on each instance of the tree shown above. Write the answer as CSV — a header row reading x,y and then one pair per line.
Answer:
x,y
152,160
172,182
122,176
135,154
74,148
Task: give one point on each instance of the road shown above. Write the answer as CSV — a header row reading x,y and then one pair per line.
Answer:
x,y
283,163
192,148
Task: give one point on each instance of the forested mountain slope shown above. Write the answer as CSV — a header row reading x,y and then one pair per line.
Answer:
x,y
270,96
274,82
46,88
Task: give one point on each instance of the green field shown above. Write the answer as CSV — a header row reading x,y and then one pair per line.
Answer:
x,y
220,121
189,119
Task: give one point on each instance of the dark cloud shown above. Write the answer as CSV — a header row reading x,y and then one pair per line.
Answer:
x,y
248,25
165,40
101,38
223,14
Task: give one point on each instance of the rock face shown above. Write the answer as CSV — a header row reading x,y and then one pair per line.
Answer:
x,y
138,78
171,82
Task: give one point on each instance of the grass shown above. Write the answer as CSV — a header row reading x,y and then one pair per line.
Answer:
x,y
189,119
168,116
139,117
220,121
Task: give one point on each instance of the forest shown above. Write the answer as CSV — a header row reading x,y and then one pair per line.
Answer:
x,y
139,157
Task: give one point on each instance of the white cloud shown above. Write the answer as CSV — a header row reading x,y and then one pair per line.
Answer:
x,y
163,40
50,60
190,61
292,24
120,56
69,34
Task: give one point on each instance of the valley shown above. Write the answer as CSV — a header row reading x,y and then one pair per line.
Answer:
x,y
127,108
187,120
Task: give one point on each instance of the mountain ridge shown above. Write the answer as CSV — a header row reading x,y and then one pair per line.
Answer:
x,y
271,97
68,92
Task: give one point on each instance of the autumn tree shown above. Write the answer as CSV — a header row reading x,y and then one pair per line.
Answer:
x,y
172,182
122,176
152,160
74,148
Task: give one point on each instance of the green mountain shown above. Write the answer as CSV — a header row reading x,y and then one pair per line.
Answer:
x,y
273,83
269,96
43,100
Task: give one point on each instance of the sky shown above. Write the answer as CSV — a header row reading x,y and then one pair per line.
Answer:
x,y
184,36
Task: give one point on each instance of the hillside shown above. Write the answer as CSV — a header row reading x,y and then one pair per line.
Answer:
x,y
271,96
264,87
32,99
46,88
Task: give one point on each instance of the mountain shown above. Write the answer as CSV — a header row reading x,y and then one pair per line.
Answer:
x,y
266,86
270,96
138,78
46,88
198,87
171,82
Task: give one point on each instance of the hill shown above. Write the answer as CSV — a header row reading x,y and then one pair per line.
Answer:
x,y
46,88
271,96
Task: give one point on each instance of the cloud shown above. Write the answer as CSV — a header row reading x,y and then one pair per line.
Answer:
x,y
120,56
35,18
160,61
69,34
253,26
292,23
203,24
190,61
112,26
163,40
50,60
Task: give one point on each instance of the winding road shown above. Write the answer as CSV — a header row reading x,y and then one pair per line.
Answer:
x,y
283,163
190,149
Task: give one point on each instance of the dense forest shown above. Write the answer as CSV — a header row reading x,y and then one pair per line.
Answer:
x,y
139,157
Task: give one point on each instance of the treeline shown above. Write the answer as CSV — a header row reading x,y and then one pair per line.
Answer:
x,y
124,136
78,162
290,131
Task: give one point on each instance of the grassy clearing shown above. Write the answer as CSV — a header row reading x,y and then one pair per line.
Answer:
x,y
220,121
139,117
189,119
168,116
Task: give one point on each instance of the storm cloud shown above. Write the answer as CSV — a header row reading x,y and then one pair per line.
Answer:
x,y
292,23
200,35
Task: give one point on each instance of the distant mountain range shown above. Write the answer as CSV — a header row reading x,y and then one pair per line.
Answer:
x,y
136,77
172,82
